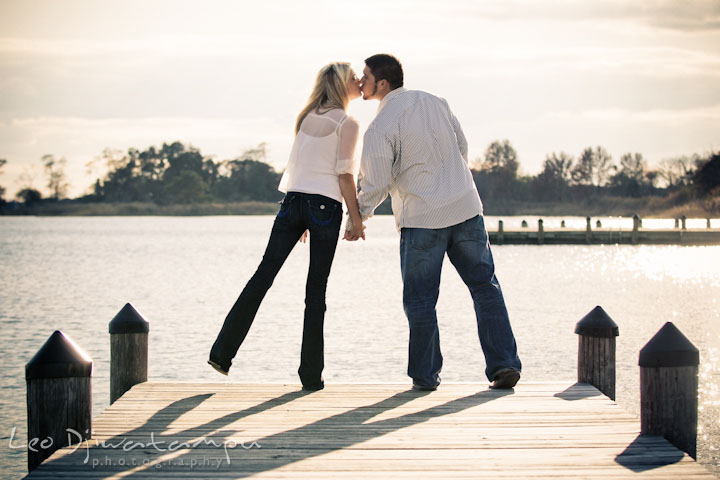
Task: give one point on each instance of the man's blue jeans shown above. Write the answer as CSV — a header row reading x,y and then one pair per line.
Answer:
x,y
422,252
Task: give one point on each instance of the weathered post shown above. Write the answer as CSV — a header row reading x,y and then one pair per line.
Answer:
x,y
668,388
596,351
636,229
562,224
501,233
128,351
588,231
677,223
683,228
707,222
541,232
58,398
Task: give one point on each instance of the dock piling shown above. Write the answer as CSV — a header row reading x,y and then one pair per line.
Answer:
x,y
541,232
588,231
596,350
683,219
636,229
669,388
501,233
59,402
128,351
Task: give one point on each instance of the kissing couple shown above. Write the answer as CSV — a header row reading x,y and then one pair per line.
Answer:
x,y
415,151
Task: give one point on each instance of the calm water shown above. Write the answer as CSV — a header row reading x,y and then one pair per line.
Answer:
x,y
184,273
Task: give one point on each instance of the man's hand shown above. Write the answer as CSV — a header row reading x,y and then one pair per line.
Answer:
x,y
303,237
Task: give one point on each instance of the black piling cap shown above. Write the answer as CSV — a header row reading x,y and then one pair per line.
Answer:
x,y
128,320
669,348
597,323
59,358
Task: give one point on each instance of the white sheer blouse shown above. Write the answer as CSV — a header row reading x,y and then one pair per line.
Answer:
x,y
323,149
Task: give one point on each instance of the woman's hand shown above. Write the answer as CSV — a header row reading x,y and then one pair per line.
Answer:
x,y
303,237
354,231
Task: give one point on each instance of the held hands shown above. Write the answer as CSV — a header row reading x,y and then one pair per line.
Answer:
x,y
354,232
303,237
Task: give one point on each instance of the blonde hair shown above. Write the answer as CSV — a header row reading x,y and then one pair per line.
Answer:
x,y
330,91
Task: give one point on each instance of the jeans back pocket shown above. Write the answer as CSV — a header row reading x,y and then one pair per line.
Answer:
x,y
322,212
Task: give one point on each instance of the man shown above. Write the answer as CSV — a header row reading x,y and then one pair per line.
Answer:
x,y
415,151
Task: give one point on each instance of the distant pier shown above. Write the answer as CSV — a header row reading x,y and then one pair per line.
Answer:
x,y
597,235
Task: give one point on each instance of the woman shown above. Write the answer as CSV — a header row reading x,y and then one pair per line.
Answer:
x,y
319,175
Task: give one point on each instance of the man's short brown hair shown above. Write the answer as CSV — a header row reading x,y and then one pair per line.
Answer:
x,y
386,67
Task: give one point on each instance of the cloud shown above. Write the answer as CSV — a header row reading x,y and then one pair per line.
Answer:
x,y
228,136
693,15
664,116
671,14
660,61
185,45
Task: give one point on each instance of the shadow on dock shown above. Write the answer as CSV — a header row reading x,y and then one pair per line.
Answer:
x,y
310,440
573,393
641,455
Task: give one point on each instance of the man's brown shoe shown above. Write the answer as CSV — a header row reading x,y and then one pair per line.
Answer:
x,y
505,379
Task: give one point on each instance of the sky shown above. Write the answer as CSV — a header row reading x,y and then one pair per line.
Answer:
x,y
79,76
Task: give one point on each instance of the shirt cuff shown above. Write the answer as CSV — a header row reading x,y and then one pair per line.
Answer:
x,y
345,166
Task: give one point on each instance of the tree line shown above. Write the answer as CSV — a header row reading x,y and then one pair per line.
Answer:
x,y
566,178
174,173
179,173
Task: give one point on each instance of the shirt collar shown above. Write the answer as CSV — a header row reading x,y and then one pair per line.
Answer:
x,y
389,97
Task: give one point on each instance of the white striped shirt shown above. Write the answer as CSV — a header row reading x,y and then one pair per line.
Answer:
x,y
416,151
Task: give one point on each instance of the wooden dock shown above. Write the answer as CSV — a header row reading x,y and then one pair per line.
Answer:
x,y
607,236
461,431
